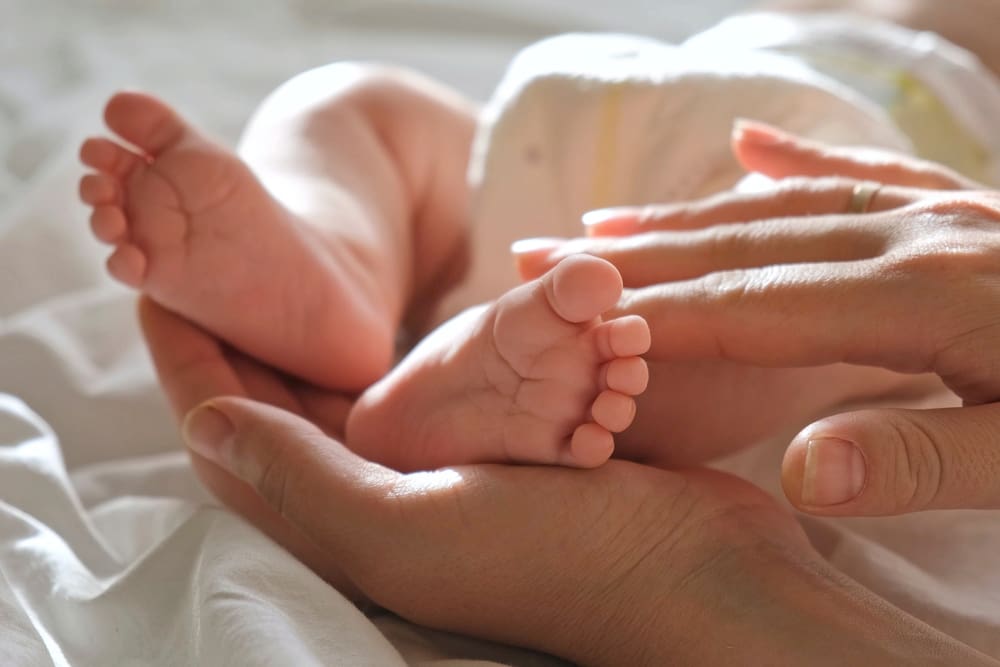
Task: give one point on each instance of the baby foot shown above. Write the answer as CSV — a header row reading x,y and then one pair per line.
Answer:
x,y
194,228
536,377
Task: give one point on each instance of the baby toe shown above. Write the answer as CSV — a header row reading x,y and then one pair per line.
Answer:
x,y
625,337
108,223
128,265
97,189
628,375
144,121
582,287
109,157
591,446
613,411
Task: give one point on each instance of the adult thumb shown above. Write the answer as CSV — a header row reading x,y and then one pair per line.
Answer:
x,y
882,462
334,497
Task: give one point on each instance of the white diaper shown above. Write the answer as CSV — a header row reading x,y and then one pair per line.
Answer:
x,y
946,101
585,121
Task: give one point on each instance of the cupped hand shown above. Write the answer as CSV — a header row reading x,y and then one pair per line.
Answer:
x,y
602,567
193,366
788,277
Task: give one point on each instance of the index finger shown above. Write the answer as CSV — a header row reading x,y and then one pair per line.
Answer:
x,y
668,256
190,363
789,198
793,315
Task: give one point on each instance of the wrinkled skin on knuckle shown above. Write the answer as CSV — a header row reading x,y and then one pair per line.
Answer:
x,y
669,216
952,260
912,474
272,479
789,192
764,297
795,192
975,210
968,360
724,289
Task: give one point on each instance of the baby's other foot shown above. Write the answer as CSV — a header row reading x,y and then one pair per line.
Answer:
x,y
536,377
194,228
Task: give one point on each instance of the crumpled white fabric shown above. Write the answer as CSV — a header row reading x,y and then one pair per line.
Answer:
x,y
153,579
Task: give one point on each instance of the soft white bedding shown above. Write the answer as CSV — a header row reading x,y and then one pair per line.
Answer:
x,y
110,552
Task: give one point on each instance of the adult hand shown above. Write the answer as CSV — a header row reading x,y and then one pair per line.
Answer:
x,y
625,564
787,278
193,367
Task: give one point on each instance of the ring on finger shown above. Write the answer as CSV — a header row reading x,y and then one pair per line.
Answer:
x,y
862,196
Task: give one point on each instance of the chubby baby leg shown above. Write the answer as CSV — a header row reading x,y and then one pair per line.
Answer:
x,y
194,228
535,377
306,250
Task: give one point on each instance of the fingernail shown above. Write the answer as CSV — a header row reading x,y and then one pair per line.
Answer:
x,y
835,472
755,132
536,245
617,221
602,215
208,433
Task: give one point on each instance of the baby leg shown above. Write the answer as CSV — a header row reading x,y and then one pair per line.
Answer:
x,y
307,248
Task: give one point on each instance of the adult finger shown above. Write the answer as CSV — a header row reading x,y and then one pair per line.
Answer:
x,y
191,365
797,315
794,197
778,154
659,257
330,494
194,366
881,462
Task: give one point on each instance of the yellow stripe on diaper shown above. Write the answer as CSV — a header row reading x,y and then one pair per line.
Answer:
x,y
602,187
936,133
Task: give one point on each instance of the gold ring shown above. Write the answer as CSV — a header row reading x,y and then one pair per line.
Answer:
x,y
862,196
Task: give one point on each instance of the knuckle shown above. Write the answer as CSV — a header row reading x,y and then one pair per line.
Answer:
x,y
272,483
793,189
661,216
794,184
790,193
951,261
973,211
724,288
926,261
960,361
914,474
947,257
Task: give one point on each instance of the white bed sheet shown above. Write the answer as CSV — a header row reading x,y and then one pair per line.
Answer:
x,y
110,551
